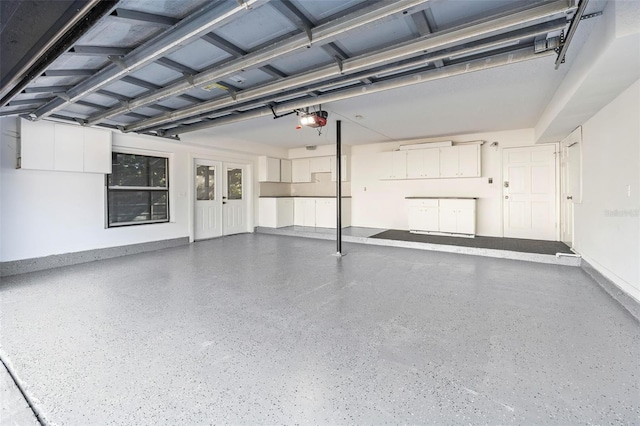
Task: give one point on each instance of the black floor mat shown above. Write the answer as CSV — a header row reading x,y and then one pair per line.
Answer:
x,y
509,244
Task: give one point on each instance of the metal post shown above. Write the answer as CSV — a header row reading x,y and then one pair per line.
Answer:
x,y
339,186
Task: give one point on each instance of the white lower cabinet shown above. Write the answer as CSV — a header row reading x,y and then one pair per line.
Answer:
x,y
320,212
275,212
442,215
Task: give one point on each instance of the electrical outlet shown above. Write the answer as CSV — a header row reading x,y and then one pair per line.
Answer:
x,y
490,180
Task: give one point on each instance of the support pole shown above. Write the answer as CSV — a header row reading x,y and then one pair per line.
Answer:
x,y
339,187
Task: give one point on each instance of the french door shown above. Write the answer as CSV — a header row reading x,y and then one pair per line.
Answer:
x,y
220,200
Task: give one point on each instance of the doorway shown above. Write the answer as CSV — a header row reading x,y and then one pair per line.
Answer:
x,y
221,199
570,182
529,192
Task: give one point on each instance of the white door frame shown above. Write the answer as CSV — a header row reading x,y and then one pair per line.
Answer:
x,y
571,149
249,186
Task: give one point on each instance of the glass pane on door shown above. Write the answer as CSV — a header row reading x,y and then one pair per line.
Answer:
x,y
234,184
206,183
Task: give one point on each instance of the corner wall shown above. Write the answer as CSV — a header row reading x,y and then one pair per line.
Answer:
x,y
607,222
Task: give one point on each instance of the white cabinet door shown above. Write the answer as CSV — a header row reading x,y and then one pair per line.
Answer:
x,y
468,160
394,165
298,211
430,219
466,221
309,208
36,145
326,212
320,164
284,212
447,220
344,169
458,216
300,171
268,169
415,163
267,212
423,215
431,163
423,163
275,212
68,154
285,170
449,161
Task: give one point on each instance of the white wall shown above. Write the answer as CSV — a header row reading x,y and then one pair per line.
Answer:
x,y
607,223
381,204
46,212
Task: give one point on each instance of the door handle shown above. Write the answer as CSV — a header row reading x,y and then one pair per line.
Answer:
x,y
506,184
224,198
506,197
569,197
224,202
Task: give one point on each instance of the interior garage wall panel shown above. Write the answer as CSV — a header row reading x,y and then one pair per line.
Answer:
x,y
607,223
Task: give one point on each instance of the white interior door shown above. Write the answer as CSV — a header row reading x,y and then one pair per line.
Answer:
x,y
234,199
570,182
208,204
529,192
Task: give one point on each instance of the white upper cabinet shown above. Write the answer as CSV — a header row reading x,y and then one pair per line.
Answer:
x,y
300,170
68,154
285,170
54,146
469,161
320,164
36,145
394,165
460,161
423,163
97,151
443,162
268,169
344,169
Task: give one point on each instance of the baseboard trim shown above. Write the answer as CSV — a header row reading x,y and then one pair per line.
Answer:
x,y
630,304
23,266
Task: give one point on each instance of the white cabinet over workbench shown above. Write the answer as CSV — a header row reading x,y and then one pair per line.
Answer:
x,y
457,161
450,216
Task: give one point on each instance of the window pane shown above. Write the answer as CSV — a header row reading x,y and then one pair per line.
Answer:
x,y
205,183
138,170
234,184
137,206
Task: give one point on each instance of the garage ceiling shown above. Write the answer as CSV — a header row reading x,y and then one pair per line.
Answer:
x,y
167,68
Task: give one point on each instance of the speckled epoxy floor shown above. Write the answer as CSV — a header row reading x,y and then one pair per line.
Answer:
x,y
261,329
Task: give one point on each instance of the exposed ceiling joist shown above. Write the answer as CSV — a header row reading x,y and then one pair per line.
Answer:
x,y
395,53
322,34
196,25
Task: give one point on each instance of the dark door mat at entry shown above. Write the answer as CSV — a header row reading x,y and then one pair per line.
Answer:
x,y
494,243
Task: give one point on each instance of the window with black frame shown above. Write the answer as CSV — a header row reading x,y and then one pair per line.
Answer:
x,y
137,190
